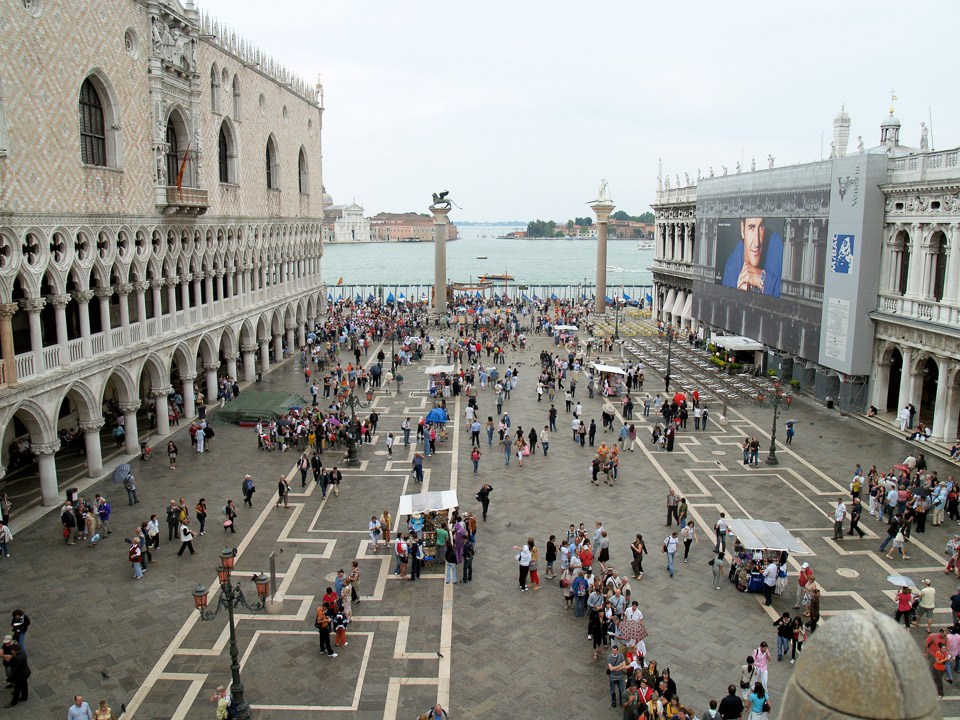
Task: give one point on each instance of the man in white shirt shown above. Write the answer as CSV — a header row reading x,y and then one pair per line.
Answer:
x,y
721,530
839,514
769,581
670,544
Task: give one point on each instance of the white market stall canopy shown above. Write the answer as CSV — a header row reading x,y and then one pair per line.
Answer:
x,y
566,328
761,534
437,369
608,369
425,502
736,342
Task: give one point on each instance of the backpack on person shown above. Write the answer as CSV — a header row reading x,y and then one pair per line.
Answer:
x,y
128,482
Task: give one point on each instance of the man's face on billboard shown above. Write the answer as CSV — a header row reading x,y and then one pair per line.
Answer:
x,y
751,229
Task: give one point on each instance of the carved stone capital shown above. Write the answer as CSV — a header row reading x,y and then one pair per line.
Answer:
x,y
8,310
290,327
142,285
124,289
230,358
161,392
46,449
83,296
186,277
249,348
59,301
103,292
92,426
200,275
33,305
220,273
187,378
129,407
172,281
211,367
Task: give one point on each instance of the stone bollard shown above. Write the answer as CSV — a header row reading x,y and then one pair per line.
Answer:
x,y
861,665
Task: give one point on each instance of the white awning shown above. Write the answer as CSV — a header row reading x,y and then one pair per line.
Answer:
x,y
608,369
736,342
424,502
562,328
764,535
678,304
687,308
669,300
437,369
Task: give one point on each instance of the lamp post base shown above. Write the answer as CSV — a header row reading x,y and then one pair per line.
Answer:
x,y
772,459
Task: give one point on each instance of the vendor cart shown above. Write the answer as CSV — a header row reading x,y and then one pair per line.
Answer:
x,y
757,543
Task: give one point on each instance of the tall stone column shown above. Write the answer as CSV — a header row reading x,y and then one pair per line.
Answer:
x,y
915,270
221,284
157,295
33,306
441,225
132,434
602,206
59,303
124,291
83,298
231,367
208,285
940,417
91,440
172,285
249,362
291,338
103,295
185,291
47,465
953,265
264,355
162,408
301,334
189,397
141,288
198,278
210,374
906,379
7,311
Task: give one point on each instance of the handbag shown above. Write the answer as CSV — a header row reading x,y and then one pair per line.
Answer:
x,y
228,523
766,706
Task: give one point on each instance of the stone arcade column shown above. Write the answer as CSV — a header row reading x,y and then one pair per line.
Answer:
x,y
172,284
189,398
278,347
906,380
291,338
162,408
141,288
231,367
301,334
132,434
33,306
123,291
46,460
210,375
602,206
7,311
249,362
941,406
264,355
155,286
440,227
91,440
59,303
953,265
83,298
103,294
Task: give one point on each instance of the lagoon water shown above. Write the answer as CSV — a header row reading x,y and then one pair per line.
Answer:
x,y
532,262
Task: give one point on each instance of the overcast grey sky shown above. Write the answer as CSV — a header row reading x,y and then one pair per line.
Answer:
x,y
520,108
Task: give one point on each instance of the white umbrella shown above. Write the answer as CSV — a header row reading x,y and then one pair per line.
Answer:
x,y
900,580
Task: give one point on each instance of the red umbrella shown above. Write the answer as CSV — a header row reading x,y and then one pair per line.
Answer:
x,y
904,468
679,398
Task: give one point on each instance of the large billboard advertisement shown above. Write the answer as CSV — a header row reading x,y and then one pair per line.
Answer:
x,y
749,254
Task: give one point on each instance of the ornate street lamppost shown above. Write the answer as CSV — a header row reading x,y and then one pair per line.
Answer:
x,y
671,335
616,327
231,597
777,400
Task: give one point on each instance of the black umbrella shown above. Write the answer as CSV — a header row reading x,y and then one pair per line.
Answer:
x,y
120,472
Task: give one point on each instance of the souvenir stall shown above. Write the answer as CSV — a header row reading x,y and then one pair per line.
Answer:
x,y
425,511
609,379
562,334
439,384
757,543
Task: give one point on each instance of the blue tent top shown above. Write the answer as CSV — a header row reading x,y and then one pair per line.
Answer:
x,y
329,296
390,298
478,294
535,297
626,297
649,298
524,296
401,298
608,298
437,415
552,296
359,298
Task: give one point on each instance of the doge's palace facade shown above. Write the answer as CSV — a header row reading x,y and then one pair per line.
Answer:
x,y
160,211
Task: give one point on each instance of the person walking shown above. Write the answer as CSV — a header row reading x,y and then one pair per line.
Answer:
x,y
19,674
616,664
770,574
374,530
201,513
761,658
389,443
186,538
322,624
283,492
718,569
135,556
483,496
670,544
759,703
720,529
230,513
104,712
856,510
673,501
689,536
839,514
524,558
638,549
784,625
172,454
130,485
475,458
303,465
805,574
249,488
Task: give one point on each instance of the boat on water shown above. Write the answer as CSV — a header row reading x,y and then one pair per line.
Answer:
x,y
481,257
485,278
645,245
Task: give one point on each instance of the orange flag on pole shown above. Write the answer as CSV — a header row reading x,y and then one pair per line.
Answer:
x,y
340,281
183,167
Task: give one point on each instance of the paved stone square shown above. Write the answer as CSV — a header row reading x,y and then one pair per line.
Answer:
x,y
504,652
